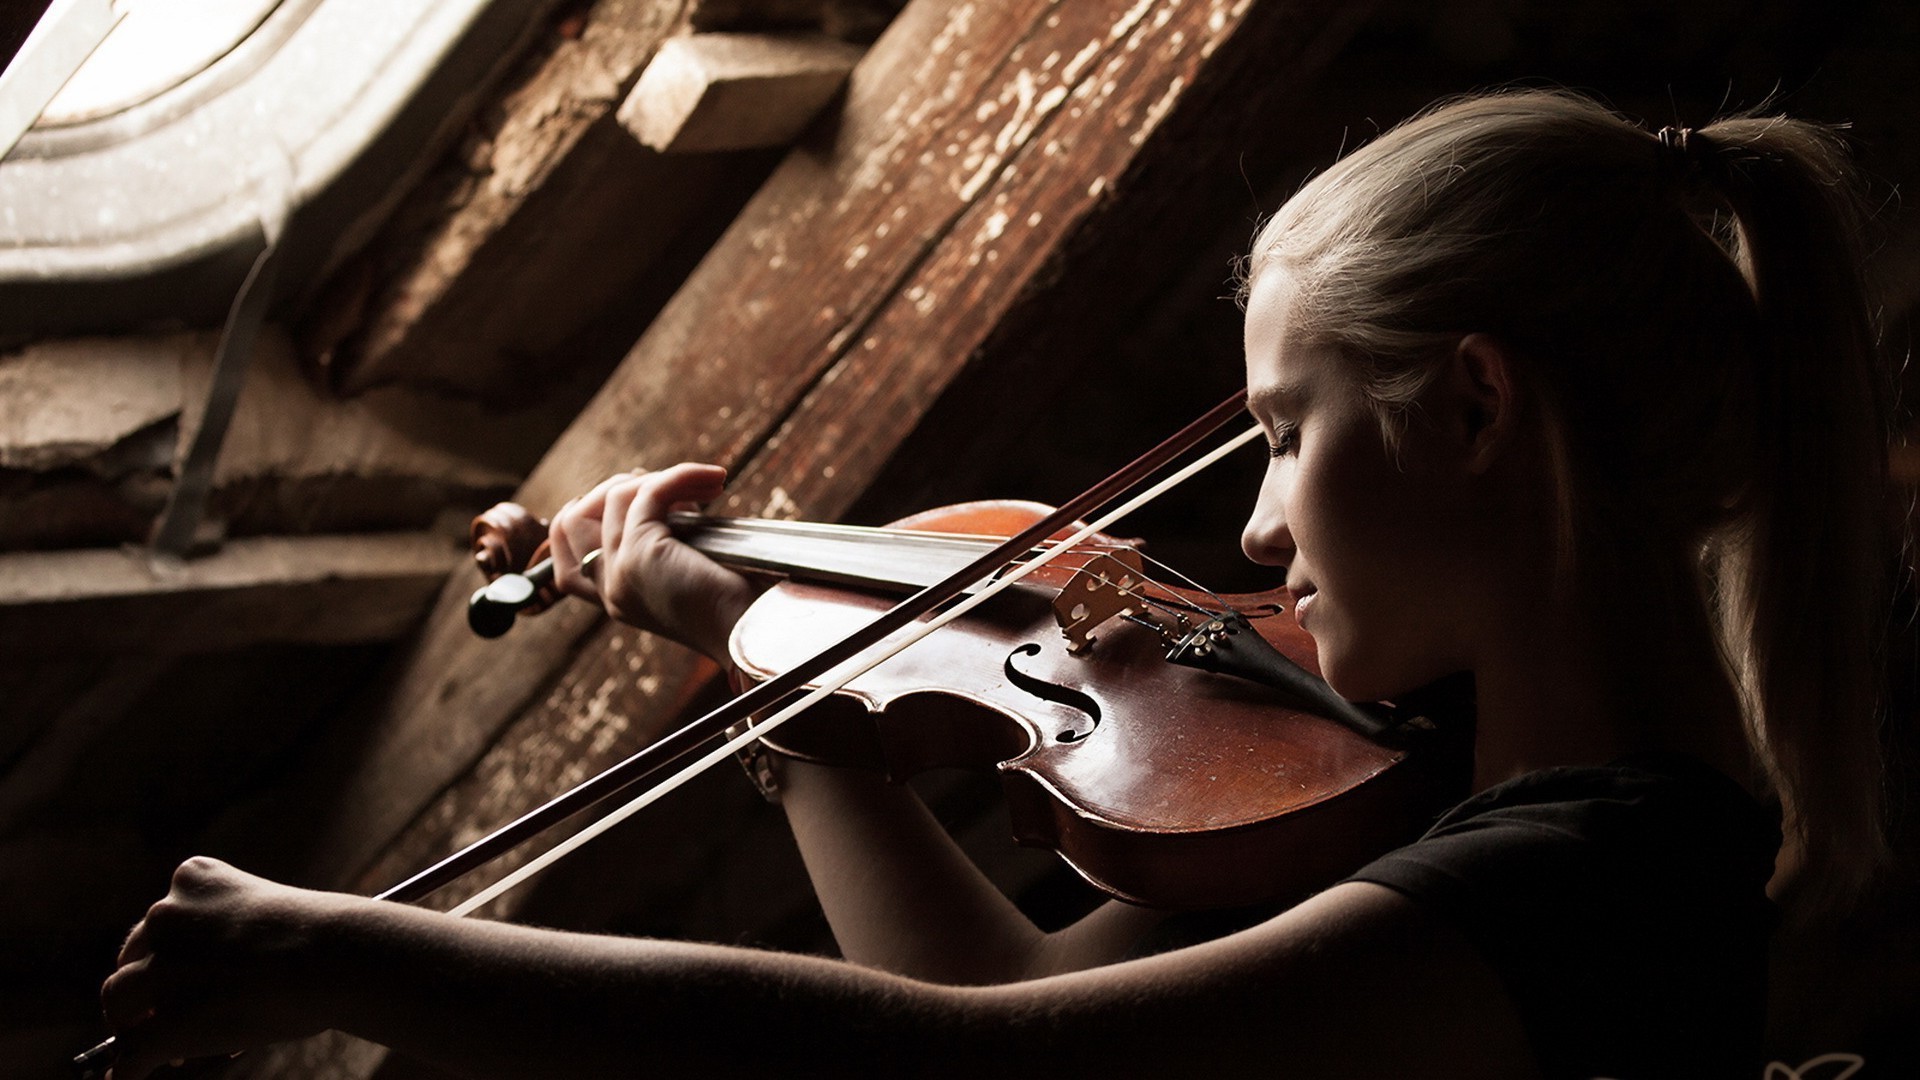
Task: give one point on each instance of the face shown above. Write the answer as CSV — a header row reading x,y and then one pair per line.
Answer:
x,y
1363,531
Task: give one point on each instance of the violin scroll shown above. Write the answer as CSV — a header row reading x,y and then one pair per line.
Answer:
x,y
510,547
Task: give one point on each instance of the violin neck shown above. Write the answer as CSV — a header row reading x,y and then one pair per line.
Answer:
x,y
892,560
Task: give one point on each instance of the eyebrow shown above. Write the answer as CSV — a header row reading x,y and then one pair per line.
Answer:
x,y
1275,398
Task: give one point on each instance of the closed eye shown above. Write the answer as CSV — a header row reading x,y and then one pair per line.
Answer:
x,y
1286,440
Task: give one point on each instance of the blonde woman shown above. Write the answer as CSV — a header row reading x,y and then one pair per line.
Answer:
x,y
1588,412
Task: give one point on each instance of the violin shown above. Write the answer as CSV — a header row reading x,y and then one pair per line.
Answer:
x,y
1176,748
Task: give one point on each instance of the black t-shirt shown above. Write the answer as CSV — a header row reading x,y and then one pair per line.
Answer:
x,y
1623,906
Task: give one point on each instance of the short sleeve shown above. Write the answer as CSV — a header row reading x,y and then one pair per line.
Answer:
x,y
1624,908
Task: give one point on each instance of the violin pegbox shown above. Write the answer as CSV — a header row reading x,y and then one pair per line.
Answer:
x,y
1102,589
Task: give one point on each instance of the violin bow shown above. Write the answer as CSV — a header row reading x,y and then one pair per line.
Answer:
x,y
687,741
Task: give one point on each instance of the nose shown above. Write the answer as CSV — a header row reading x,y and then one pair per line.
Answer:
x,y
1267,540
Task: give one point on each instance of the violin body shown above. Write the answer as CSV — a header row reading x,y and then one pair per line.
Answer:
x,y
1159,783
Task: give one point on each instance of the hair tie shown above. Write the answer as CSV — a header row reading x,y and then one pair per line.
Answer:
x,y
1679,150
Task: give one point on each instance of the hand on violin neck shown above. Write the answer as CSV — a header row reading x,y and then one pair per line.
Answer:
x,y
643,575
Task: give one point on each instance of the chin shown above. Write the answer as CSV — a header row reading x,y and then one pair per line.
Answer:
x,y
1357,680
1349,679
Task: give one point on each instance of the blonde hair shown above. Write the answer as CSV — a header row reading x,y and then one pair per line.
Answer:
x,y
1691,320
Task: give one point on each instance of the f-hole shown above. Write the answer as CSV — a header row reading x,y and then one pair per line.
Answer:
x,y
1059,695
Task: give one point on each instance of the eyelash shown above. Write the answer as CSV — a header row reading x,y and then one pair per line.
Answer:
x,y
1286,440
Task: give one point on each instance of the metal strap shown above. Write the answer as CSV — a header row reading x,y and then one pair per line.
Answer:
x,y
187,503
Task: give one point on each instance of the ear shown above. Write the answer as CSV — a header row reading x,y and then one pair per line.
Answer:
x,y
1478,402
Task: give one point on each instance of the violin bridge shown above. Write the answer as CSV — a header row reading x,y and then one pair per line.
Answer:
x,y
1101,590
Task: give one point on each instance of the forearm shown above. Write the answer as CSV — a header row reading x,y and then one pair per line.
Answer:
x,y
492,1000
901,896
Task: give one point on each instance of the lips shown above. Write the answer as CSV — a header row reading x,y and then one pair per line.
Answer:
x,y
1302,599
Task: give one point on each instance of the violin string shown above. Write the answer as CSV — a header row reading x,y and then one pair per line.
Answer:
x,y
1178,606
1174,604
1219,601
840,676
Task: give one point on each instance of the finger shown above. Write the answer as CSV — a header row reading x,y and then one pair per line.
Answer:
x,y
200,874
614,515
579,521
582,515
567,576
137,1053
688,482
126,998
138,944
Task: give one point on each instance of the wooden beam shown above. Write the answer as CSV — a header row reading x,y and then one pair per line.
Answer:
x,y
92,431
710,92
322,590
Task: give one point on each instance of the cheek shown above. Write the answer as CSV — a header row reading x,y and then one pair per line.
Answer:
x,y
1328,510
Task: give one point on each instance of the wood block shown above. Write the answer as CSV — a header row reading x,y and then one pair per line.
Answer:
x,y
710,92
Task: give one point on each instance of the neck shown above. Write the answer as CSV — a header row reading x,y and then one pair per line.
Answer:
x,y
1557,687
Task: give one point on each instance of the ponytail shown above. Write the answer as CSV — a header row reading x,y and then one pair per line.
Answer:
x,y
1804,593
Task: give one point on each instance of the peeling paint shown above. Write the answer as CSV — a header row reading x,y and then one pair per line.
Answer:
x,y
1031,108
1130,20
780,505
1158,111
607,735
1077,66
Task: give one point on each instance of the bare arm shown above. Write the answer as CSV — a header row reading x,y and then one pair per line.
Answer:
x,y
901,895
1356,982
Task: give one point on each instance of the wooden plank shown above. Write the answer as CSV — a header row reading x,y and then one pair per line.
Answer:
x,y
977,141
313,590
